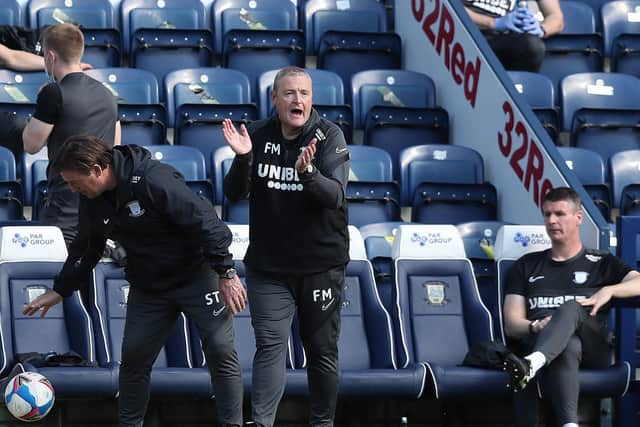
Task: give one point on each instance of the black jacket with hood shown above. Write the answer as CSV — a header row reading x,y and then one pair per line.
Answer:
x,y
170,234
298,223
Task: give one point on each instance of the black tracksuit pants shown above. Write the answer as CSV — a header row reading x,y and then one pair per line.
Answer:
x,y
517,52
151,318
572,339
272,301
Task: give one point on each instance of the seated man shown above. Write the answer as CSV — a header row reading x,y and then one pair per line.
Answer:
x,y
555,308
514,33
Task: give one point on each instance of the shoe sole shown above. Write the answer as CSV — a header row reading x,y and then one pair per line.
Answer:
x,y
518,378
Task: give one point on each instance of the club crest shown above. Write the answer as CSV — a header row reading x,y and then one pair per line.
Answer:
x,y
135,210
580,277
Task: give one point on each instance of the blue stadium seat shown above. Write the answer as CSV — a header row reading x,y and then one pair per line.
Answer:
x,y
20,87
591,172
624,172
577,49
372,195
200,125
20,77
27,269
255,51
400,88
142,118
87,13
221,160
173,373
438,163
11,194
368,366
328,89
11,13
622,35
168,14
348,52
354,15
510,245
540,93
251,15
438,302
102,47
205,86
39,187
396,128
129,85
187,160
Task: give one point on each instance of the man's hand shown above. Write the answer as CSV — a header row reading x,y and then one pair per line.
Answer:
x,y
531,25
598,299
304,159
44,302
538,325
234,294
240,143
512,21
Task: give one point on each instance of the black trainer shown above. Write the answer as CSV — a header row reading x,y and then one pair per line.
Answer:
x,y
519,370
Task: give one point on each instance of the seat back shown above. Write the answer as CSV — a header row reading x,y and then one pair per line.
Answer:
x,y
255,51
129,85
7,165
356,15
400,88
619,17
220,163
187,160
437,297
512,242
536,88
347,53
88,13
327,87
438,163
179,14
446,203
370,164
26,164
586,164
597,90
251,15
624,170
11,13
205,86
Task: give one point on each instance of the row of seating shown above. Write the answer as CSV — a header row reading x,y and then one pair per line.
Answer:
x,y
413,350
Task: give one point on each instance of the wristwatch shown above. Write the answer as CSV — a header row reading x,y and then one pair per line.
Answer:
x,y
230,273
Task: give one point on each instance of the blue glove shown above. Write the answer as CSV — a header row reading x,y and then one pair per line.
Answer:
x,y
512,21
532,27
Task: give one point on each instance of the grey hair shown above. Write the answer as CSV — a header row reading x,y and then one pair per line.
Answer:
x,y
286,72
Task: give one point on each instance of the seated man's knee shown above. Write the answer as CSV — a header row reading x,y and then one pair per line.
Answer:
x,y
534,50
569,307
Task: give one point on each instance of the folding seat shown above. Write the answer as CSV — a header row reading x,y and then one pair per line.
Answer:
x,y
438,163
512,242
539,91
187,160
30,258
399,88
600,111
168,38
39,187
11,194
347,53
221,160
396,128
577,49
624,170
11,13
206,86
621,30
251,15
97,20
590,170
368,366
320,16
20,87
378,239
327,86
372,195
173,373
437,301
255,51
142,117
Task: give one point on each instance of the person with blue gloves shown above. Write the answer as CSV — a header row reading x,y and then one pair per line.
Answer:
x,y
515,31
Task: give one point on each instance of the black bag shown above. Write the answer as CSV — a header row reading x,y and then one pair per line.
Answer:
x,y
20,38
40,360
487,354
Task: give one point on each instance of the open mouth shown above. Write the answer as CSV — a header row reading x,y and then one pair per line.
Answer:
x,y
297,112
